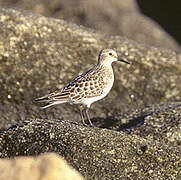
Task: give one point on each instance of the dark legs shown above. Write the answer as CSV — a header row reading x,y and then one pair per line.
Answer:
x,y
86,110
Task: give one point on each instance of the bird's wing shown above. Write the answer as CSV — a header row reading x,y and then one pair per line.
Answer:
x,y
78,79
64,94
87,85
55,96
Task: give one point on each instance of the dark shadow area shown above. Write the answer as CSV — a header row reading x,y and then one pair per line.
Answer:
x,y
107,123
133,123
113,121
165,13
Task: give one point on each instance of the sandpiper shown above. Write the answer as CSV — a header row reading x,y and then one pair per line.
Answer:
x,y
87,88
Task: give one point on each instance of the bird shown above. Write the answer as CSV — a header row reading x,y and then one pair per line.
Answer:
x,y
88,87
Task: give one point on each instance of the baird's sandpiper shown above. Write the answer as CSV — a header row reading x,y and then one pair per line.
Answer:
x,y
87,88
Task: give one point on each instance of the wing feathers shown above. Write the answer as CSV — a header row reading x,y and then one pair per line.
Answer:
x,y
65,94
52,104
54,98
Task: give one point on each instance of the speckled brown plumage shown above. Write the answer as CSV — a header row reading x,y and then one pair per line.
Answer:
x,y
87,88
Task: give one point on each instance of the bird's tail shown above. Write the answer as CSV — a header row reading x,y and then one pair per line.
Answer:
x,y
52,104
53,99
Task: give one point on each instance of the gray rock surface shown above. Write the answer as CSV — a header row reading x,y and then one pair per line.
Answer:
x,y
112,17
39,55
152,150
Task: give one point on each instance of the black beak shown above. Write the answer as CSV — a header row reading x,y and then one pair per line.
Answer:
x,y
122,60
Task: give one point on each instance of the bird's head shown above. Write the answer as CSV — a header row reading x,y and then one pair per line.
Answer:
x,y
107,56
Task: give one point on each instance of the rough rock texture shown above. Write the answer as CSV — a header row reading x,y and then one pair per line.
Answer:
x,y
38,55
44,167
152,150
113,17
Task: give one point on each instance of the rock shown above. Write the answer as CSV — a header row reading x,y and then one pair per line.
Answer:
x,y
48,166
141,115
151,150
114,17
39,55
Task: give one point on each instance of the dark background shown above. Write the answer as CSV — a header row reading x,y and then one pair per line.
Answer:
x,y
166,13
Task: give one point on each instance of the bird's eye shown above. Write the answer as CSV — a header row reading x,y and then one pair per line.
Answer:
x,y
110,54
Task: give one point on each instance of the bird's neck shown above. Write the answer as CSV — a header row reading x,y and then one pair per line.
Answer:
x,y
106,64
106,69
